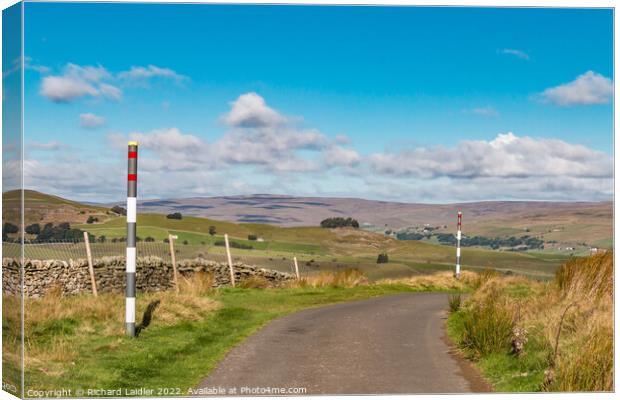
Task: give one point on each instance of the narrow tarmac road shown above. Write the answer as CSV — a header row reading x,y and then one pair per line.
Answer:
x,y
385,345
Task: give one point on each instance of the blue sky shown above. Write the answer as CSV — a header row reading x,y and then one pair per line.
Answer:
x,y
397,103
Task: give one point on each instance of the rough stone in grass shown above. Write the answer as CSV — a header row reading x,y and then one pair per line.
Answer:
x,y
152,274
519,339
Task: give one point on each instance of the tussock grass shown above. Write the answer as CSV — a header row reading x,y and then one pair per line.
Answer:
x,y
454,302
590,277
254,282
53,324
346,278
567,325
488,326
437,281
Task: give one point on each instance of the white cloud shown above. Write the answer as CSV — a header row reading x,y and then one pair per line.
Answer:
x,y
110,92
175,164
588,88
169,150
79,81
29,64
87,73
151,71
91,121
258,136
342,139
63,89
162,140
341,156
517,53
485,111
506,156
250,111
76,178
16,65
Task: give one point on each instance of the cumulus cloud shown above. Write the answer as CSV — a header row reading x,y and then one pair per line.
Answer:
x,y
168,149
79,81
588,88
341,156
151,71
174,164
258,136
506,156
250,111
76,178
62,89
91,121
517,53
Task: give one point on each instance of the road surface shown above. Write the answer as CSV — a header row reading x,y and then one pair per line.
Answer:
x,y
385,345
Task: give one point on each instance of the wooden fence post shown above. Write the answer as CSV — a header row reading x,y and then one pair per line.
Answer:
x,y
230,265
296,267
174,261
91,270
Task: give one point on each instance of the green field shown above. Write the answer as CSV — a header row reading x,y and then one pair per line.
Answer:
x,y
319,249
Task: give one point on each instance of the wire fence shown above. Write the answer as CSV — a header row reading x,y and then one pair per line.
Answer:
x,y
67,250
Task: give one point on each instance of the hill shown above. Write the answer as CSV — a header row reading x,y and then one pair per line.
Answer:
x,y
568,224
319,248
316,248
43,208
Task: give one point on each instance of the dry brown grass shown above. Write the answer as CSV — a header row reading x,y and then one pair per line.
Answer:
x,y
437,281
254,282
574,314
590,277
53,322
347,278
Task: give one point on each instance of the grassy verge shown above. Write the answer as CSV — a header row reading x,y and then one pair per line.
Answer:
x,y
529,336
78,343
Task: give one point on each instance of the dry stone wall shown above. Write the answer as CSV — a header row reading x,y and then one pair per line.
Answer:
x,y
152,274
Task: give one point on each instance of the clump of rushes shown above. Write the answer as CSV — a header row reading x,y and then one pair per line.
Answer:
x,y
488,327
454,302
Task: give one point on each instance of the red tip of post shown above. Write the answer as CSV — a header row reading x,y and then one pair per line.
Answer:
x,y
132,177
133,154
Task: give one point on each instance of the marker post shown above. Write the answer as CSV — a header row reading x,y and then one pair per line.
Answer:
x,y
130,262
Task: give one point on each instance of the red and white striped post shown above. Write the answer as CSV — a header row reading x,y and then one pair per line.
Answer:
x,y
459,222
130,262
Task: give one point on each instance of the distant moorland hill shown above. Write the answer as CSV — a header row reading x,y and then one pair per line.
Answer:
x,y
568,223
564,223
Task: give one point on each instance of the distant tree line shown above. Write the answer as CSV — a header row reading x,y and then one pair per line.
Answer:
x,y
119,210
412,236
339,222
234,245
176,215
62,231
526,241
